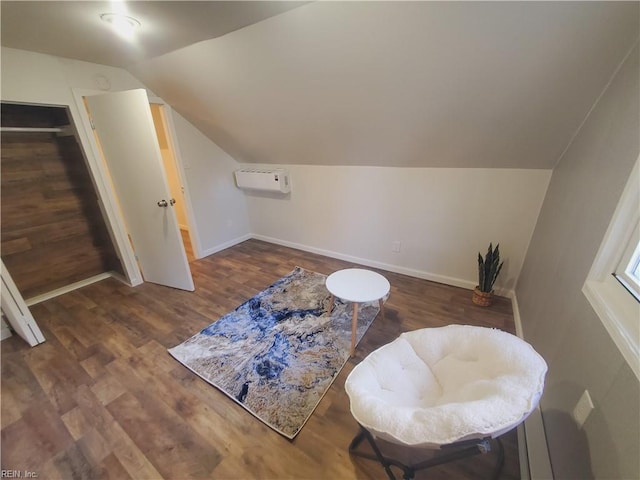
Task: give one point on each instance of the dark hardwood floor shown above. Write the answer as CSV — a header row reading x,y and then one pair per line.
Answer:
x,y
102,398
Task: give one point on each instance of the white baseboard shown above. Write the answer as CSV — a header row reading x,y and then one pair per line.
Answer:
x,y
456,282
537,451
433,277
516,314
535,463
222,246
66,289
523,456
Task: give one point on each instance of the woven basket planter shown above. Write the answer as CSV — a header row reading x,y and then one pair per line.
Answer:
x,y
484,299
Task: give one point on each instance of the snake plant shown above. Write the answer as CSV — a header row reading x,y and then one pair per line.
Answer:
x,y
489,268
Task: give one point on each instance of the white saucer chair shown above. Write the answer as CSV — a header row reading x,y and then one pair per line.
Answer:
x,y
452,389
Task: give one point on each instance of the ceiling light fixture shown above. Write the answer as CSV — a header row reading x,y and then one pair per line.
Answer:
x,y
122,24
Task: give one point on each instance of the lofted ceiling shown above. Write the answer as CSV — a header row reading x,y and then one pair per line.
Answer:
x,y
410,84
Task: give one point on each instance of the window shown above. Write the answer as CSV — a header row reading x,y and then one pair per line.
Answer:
x,y
628,271
616,298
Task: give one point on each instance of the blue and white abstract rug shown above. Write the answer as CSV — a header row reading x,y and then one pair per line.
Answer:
x,y
278,353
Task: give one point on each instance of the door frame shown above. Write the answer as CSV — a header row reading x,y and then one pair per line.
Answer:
x,y
17,312
13,304
172,139
105,194
107,198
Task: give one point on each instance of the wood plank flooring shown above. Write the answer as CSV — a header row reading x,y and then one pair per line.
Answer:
x,y
188,248
53,233
102,398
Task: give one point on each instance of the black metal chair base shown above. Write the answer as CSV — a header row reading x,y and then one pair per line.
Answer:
x,y
447,453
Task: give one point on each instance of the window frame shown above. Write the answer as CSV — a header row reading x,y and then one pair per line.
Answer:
x,y
617,308
630,263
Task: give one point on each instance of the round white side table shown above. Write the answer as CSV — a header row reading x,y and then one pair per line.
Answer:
x,y
357,285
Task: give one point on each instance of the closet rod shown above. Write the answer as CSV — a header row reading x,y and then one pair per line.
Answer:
x,y
31,129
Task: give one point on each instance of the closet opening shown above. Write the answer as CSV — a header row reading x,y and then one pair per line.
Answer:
x,y
54,236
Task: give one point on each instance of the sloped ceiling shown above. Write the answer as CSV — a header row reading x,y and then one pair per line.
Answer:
x,y
414,84
446,84
73,29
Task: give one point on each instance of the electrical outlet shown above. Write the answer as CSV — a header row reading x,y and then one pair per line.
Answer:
x,y
583,409
395,246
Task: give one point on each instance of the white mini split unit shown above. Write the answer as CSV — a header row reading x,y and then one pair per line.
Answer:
x,y
268,180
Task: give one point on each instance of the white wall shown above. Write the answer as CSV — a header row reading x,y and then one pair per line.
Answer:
x,y
348,212
441,216
35,78
219,208
556,317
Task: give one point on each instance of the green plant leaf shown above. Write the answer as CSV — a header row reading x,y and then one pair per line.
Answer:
x,y
489,268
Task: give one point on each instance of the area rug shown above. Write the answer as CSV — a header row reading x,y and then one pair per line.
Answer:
x,y
279,352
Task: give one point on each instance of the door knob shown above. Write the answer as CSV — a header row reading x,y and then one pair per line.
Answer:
x,y
172,202
162,203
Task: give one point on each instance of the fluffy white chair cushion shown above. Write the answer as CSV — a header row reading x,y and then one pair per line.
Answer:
x,y
436,386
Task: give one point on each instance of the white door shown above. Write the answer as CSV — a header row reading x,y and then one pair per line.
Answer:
x,y
126,133
17,311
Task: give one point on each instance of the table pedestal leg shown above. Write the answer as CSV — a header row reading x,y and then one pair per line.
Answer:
x,y
381,308
354,325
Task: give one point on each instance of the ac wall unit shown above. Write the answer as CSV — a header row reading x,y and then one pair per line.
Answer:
x,y
271,180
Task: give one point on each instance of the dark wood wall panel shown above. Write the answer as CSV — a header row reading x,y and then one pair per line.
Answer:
x,y
21,115
52,233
